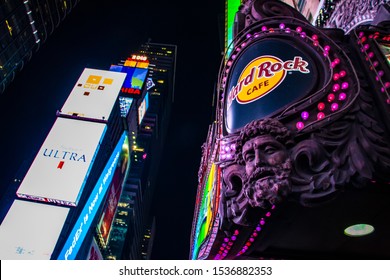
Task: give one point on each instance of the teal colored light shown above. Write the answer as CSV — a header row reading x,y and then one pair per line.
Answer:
x,y
359,230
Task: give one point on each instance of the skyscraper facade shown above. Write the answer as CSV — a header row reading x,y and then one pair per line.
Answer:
x,y
100,162
133,221
24,27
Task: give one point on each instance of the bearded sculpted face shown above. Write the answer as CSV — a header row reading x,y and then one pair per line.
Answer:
x,y
265,167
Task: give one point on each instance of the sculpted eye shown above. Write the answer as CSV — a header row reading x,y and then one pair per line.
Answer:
x,y
270,150
248,157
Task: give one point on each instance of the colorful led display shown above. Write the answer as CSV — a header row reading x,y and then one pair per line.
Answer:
x,y
134,80
94,95
65,159
143,107
114,193
231,9
207,210
385,48
30,230
88,213
139,61
124,105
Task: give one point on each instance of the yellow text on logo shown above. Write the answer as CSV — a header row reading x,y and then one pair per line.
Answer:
x,y
262,75
256,81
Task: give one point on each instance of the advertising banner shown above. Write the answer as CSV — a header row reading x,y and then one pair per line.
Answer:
x,y
60,169
90,209
114,193
124,105
134,80
94,94
30,230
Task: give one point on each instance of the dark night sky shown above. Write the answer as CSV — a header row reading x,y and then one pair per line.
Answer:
x,y
95,36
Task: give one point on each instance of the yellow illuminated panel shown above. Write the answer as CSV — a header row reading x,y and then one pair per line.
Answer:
x,y
92,79
130,63
108,81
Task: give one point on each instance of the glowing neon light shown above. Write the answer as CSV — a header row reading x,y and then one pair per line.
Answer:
x,y
205,216
359,230
231,9
87,215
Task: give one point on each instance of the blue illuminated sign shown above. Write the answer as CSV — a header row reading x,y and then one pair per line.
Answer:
x,y
84,222
125,104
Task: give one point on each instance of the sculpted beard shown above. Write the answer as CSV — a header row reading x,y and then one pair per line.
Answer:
x,y
268,185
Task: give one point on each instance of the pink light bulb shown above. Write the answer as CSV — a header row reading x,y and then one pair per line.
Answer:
x,y
299,125
320,115
344,85
342,96
334,107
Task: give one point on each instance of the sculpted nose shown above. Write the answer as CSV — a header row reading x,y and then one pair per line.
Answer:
x,y
259,159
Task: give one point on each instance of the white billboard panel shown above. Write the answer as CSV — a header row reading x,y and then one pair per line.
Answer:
x,y
61,167
30,230
94,94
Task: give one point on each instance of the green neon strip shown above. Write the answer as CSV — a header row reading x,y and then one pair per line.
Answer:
x,y
231,9
205,212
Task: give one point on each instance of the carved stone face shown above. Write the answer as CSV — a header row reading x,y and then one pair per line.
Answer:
x,y
265,180
261,151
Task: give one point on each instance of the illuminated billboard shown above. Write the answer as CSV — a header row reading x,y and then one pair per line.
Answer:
x,y
143,107
267,77
94,94
114,193
61,167
88,213
134,80
30,230
124,105
139,61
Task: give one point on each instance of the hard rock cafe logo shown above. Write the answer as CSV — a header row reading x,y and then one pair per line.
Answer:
x,y
261,76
